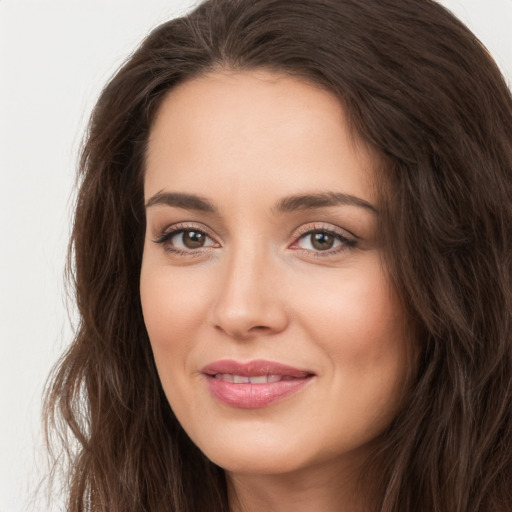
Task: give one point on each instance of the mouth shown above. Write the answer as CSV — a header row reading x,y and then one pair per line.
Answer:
x,y
254,384
250,379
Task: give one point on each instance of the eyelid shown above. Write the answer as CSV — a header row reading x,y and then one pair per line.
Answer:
x,y
348,240
172,229
321,226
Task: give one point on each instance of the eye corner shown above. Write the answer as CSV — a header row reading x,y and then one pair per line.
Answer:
x,y
174,242
336,240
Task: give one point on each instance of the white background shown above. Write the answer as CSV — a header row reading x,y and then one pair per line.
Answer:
x,y
55,56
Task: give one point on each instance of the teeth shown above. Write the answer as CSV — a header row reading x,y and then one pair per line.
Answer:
x,y
262,379
242,379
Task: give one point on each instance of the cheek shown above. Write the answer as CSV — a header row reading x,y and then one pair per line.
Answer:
x,y
358,321
363,333
172,306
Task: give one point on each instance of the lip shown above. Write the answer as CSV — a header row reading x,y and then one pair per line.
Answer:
x,y
250,395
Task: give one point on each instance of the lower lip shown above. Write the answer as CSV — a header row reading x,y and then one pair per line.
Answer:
x,y
253,396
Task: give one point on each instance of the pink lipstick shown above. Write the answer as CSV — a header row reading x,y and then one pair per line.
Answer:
x,y
254,384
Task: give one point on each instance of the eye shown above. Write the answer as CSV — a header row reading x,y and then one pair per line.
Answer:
x,y
319,241
189,239
184,240
323,241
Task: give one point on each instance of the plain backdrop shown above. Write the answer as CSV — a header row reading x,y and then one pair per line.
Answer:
x,y
55,56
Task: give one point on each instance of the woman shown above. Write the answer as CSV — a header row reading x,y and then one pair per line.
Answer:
x,y
292,260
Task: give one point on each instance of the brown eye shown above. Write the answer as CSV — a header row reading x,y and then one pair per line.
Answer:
x,y
322,241
185,240
192,239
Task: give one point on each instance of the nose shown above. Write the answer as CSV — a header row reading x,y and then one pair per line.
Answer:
x,y
249,301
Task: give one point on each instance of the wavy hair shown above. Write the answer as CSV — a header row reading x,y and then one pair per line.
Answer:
x,y
424,94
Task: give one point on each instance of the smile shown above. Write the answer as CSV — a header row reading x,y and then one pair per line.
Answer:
x,y
253,379
255,384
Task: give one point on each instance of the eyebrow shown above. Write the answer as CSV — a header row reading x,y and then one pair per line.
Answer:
x,y
286,205
322,200
180,200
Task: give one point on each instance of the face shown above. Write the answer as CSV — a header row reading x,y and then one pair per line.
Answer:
x,y
277,335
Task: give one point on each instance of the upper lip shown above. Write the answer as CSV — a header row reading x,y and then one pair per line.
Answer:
x,y
254,368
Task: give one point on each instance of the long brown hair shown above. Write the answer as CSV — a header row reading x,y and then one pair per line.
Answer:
x,y
422,91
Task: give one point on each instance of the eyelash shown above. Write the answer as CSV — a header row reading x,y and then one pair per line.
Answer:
x,y
347,243
166,236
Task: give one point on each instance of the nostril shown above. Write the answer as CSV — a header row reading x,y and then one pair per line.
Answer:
x,y
242,318
240,333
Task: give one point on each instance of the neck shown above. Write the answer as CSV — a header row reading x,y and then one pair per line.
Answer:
x,y
300,491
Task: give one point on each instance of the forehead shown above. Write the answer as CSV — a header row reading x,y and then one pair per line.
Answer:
x,y
236,128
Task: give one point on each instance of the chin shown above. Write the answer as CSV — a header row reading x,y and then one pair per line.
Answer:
x,y
253,453
257,462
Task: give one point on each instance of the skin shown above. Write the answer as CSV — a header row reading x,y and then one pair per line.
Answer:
x,y
260,289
